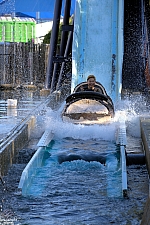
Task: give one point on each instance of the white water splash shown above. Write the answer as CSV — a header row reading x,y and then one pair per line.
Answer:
x,y
62,129
133,109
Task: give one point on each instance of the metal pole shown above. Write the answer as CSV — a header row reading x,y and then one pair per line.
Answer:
x,y
124,171
53,42
4,71
69,45
13,63
63,43
65,22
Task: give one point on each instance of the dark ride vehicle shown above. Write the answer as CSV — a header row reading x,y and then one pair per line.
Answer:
x,y
88,107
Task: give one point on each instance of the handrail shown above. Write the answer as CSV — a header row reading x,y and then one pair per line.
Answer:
x,y
121,141
124,172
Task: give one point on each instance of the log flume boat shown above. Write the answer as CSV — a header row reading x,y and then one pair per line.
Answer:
x,y
88,107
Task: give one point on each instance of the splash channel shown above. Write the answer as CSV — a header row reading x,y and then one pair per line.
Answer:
x,y
79,170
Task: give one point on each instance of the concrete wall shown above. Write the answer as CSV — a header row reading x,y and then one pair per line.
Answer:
x,y
145,134
10,148
146,215
41,30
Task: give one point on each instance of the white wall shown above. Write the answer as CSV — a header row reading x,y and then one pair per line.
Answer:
x,y
41,30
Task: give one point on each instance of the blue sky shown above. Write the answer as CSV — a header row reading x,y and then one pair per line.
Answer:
x,y
45,7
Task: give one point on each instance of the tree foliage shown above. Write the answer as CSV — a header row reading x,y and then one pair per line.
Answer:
x,y
47,37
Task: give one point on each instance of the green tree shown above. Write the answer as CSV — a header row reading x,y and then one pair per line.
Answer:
x,y
47,37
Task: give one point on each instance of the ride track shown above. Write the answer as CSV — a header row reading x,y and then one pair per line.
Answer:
x,y
106,67
30,171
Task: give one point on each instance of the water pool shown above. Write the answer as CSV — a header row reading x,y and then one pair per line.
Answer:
x,y
81,172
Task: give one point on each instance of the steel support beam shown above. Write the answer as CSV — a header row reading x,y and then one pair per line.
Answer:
x,y
64,37
53,43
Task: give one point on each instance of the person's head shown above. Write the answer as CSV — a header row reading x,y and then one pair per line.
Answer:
x,y
91,81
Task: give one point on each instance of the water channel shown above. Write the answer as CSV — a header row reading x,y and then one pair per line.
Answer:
x,y
78,192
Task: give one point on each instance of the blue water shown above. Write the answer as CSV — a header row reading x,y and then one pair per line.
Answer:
x,y
76,178
82,192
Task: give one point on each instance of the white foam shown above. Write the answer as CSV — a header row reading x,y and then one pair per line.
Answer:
x,y
63,129
130,109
